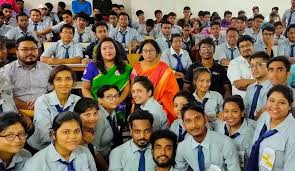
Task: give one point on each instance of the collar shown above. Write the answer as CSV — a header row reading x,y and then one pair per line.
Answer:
x,y
289,42
20,30
205,143
106,113
76,30
188,39
60,43
214,39
283,126
243,126
207,95
17,158
53,100
227,45
134,147
19,64
164,39
242,59
54,156
173,51
265,83
119,29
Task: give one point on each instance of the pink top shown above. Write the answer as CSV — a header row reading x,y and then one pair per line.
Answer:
x,y
12,3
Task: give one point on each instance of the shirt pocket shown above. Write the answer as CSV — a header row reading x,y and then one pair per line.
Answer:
x,y
279,148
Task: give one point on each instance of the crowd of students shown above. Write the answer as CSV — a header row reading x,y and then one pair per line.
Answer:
x,y
206,94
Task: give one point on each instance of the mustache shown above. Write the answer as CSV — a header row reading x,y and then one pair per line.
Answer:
x,y
162,156
142,139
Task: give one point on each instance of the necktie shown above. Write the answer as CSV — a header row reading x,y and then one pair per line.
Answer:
x,y
81,37
290,18
292,51
179,66
203,103
141,166
201,160
216,42
70,165
252,164
123,36
254,101
169,43
35,26
25,34
180,134
67,55
232,136
60,109
2,166
117,140
232,53
271,53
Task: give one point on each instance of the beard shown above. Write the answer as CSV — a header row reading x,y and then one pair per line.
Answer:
x,y
168,163
140,144
30,62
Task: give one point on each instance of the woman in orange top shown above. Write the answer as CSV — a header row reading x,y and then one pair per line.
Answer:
x,y
160,74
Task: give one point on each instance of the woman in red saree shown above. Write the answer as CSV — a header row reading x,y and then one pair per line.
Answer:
x,y
160,74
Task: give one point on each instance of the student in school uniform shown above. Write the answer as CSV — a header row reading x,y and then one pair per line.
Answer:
x,y
267,41
3,27
237,126
107,133
228,50
9,20
254,92
204,149
49,105
188,42
274,140
171,17
140,24
218,37
36,24
82,33
164,145
64,51
22,29
65,151
88,108
241,25
142,92
13,136
164,36
149,31
211,101
279,29
135,154
123,33
180,100
286,47
255,32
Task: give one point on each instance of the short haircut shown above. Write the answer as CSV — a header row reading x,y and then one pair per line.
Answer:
x,y
275,8
157,12
278,23
139,12
208,41
192,106
1,14
215,23
199,71
206,13
85,103
227,13
145,82
235,99
21,14
104,88
174,36
49,6
166,134
269,28
113,13
282,59
260,54
152,42
19,1
58,69
290,27
259,16
121,6
242,18
188,96
10,118
64,117
62,4
165,22
24,39
250,19
140,114
150,22
201,13
241,11
244,38
186,25
123,14
98,24
82,15
255,8
68,12
232,29
115,6
35,10
5,5
67,26
283,89
186,8
173,14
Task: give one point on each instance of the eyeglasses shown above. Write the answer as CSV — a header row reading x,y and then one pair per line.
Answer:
x,y
11,137
148,50
110,97
258,65
26,50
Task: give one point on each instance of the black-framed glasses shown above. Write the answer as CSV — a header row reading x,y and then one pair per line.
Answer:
x,y
11,137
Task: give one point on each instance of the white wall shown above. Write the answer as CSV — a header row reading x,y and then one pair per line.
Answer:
x,y
149,6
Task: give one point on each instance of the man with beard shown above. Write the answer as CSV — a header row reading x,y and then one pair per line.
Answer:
x,y
135,154
238,71
3,27
28,76
164,145
204,149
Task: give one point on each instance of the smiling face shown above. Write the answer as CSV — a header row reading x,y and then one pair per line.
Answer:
x,y
163,152
179,102
203,82
232,114
63,82
278,106
89,118
246,49
194,123
140,94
